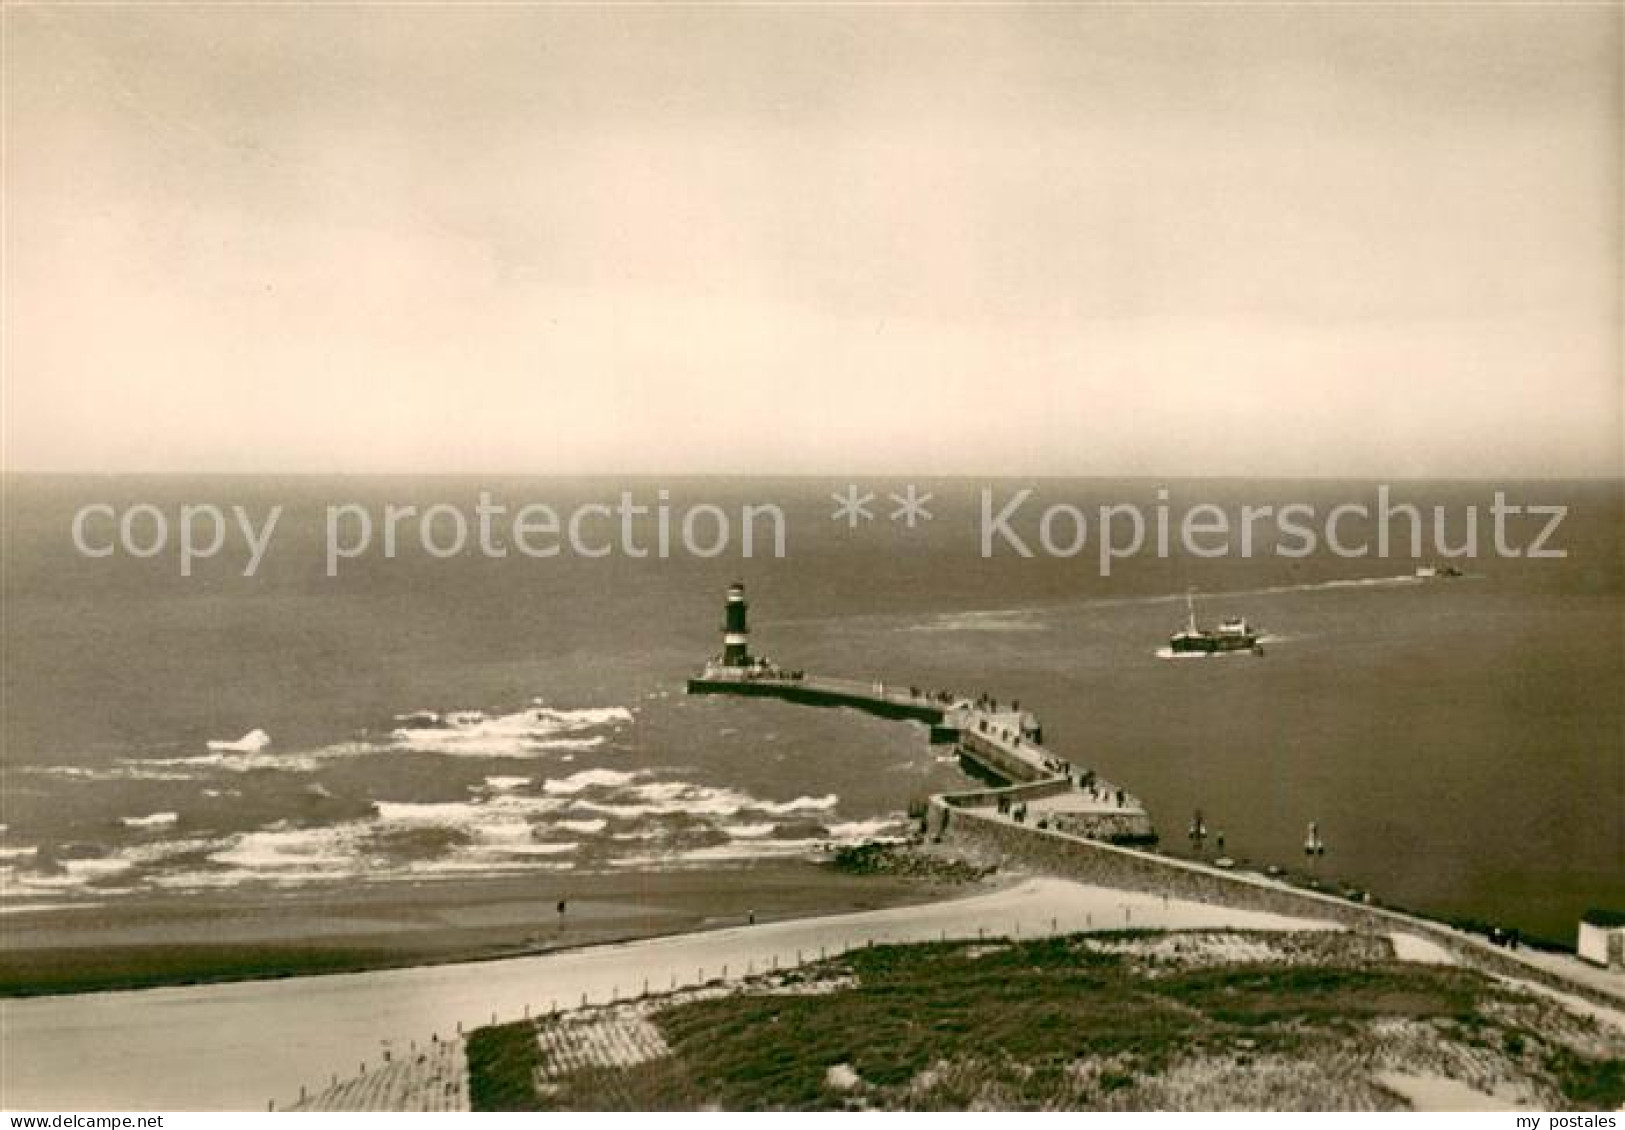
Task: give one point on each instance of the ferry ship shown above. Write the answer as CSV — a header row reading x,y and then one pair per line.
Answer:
x,y
1234,634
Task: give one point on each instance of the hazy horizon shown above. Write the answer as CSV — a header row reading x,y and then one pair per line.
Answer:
x,y
1147,242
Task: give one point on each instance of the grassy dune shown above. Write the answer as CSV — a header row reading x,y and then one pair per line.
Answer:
x,y
1118,1021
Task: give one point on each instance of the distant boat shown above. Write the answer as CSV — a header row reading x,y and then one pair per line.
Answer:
x,y
1234,634
1432,571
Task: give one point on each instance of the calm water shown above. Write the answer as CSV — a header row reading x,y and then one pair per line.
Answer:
x,y
1461,742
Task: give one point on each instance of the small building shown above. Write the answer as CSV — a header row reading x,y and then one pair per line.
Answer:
x,y
1602,938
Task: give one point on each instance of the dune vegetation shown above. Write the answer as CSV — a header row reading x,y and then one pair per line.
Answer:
x,y
1130,1020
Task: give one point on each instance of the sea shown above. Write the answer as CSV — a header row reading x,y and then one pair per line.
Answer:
x,y
1459,742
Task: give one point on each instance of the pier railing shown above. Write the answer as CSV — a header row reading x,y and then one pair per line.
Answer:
x,y
812,690
1003,741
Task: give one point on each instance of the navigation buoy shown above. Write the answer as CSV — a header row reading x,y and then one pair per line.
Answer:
x,y
1313,845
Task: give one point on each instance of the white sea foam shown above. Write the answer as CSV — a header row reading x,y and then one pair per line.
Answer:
x,y
252,742
160,850
588,716
1363,582
622,811
305,761
869,829
470,733
1011,620
156,820
221,880
502,819
506,784
325,852
500,826
462,733
755,849
34,907
58,883
501,833
540,729
589,778
639,835
667,798
1387,580
453,867
228,762
732,852
571,745
444,812
663,792
76,874
96,868
1170,653
800,804
126,771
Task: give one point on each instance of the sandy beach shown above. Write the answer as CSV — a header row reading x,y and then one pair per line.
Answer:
x,y
253,934
242,1045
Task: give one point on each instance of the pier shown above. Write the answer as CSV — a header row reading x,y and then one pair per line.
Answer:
x,y
812,690
1068,822
1032,784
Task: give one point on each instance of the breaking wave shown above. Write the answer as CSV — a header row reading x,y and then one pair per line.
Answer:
x,y
156,820
254,741
588,778
557,818
124,771
540,729
530,733
593,818
506,784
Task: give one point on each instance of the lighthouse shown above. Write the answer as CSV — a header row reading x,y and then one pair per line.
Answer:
x,y
735,632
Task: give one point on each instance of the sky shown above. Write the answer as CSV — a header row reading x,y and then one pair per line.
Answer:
x,y
1252,240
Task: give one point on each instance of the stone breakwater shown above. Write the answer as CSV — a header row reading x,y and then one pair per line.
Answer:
x,y
1035,785
1054,852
